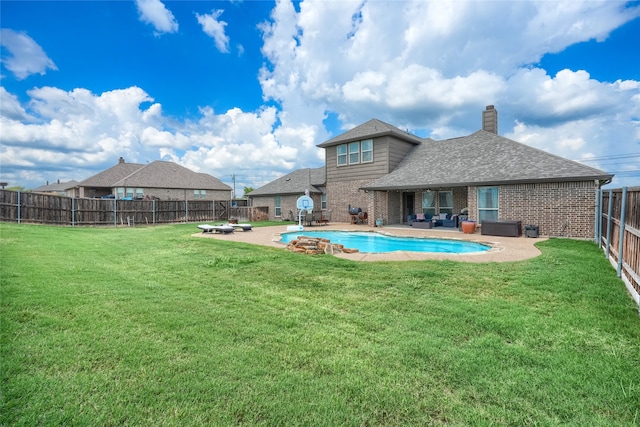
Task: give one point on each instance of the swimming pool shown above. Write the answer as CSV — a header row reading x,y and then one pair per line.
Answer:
x,y
371,242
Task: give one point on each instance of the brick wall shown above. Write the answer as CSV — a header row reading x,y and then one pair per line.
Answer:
x,y
344,193
560,209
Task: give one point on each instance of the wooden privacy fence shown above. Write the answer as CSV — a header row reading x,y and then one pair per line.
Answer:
x,y
618,234
27,207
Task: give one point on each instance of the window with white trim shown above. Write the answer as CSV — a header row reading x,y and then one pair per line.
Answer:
x,y
445,202
355,152
366,148
323,201
342,155
277,206
429,202
488,203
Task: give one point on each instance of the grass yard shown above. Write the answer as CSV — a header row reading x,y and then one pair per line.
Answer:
x,y
149,326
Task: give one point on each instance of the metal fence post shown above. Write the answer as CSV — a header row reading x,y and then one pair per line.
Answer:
x,y
186,211
597,220
622,220
610,212
73,211
115,214
19,203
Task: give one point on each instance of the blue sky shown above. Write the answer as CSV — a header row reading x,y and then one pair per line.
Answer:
x,y
249,88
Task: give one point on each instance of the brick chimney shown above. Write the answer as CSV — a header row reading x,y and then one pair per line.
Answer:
x,y
121,160
490,119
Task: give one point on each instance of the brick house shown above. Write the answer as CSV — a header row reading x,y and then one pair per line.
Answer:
x,y
156,180
392,174
280,195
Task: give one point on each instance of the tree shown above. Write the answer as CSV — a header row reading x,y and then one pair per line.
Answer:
x,y
247,190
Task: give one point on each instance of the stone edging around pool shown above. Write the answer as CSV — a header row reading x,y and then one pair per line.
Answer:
x,y
503,249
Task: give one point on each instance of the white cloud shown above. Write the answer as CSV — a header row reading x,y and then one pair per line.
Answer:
x,y
429,67
26,56
214,28
155,13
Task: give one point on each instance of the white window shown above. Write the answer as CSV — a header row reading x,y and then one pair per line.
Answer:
x,y
429,202
130,192
139,193
120,191
487,203
354,152
366,148
323,201
278,208
342,155
445,201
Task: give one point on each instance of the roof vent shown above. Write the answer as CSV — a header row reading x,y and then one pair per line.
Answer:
x,y
490,119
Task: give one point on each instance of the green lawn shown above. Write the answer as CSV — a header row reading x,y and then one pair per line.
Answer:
x,y
149,326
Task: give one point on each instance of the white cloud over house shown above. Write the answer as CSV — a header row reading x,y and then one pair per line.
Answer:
x,y
429,67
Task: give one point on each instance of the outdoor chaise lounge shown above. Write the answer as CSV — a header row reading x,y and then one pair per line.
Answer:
x,y
245,227
224,229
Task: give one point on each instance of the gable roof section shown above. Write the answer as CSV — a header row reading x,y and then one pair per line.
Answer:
x,y
108,177
371,129
160,174
295,182
482,158
56,186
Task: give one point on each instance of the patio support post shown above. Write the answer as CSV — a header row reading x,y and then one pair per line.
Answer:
x,y
622,220
609,213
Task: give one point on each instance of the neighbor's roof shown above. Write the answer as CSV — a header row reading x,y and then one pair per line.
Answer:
x,y
482,158
295,182
157,174
371,129
108,177
160,174
56,187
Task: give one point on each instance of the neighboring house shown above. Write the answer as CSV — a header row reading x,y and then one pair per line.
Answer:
x,y
156,180
57,188
392,174
280,196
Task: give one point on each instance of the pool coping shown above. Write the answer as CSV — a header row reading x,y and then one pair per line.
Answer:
x,y
503,249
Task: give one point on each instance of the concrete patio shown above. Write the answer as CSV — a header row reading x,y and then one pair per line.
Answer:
x,y
503,249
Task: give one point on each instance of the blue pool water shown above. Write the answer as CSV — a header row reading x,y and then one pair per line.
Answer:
x,y
371,242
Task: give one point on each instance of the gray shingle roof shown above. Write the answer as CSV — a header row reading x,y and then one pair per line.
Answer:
x,y
56,186
160,174
371,129
157,174
482,158
110,176
295,182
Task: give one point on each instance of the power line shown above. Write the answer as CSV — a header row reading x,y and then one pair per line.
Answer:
x,y
611,157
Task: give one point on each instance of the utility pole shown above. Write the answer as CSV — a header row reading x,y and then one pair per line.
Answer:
x,y
233,178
